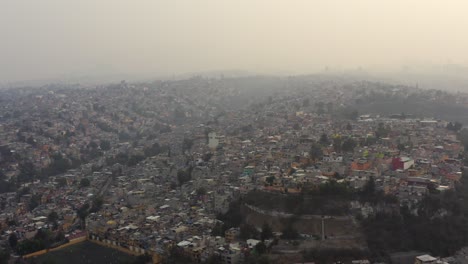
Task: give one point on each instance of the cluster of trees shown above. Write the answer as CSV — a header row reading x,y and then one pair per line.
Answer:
x,y
132,160
86,209
34,201
331,255
179,113
454,126
187,144
232,218
330,189
84,183
346,113
339,145
105,145
4,256
369,194
42,240
5,185
6,155
382,131
315,151
321,107
346,145
289,232
154,150
124,136
331,198
59,164
106,127
463,137
185,175
440,226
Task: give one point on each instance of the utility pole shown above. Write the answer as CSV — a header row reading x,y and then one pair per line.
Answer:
x,y
323,227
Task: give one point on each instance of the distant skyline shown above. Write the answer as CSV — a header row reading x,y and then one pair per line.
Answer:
x,y
52,39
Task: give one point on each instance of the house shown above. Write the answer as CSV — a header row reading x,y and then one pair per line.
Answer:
x,y
252,242
425,259
231,234
332,158
361,164
402,163
249,170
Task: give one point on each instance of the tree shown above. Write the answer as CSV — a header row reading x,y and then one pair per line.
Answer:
x,y
247,231
463,137
369,188
53,217
201,191
401,147
134,160
61,182
105,145
184,176
382,131
256,259
154,150
207,156
60,237
143,259
457,126
348,145
4,256
337,144
187,144
5,185
84,182
329,107
289,232
349,113
97,204
121,158
27,172
320,108
124,136
315,151
82,213
261,248
34,202
31,141
267,232
213,259
13,240
179,113
270,180
58,165
233,217
454,126
324,141
93,145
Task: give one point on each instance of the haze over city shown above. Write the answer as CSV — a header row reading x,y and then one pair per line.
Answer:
x,y
233,131
54,39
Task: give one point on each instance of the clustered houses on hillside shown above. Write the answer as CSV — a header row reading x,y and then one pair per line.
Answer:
x,y
160,182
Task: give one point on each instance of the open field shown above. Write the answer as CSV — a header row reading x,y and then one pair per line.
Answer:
x,y
82,253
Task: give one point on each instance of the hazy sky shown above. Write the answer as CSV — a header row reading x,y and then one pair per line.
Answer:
x,y
54,38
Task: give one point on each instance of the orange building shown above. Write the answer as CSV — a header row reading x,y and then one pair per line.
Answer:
x,y
361,165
